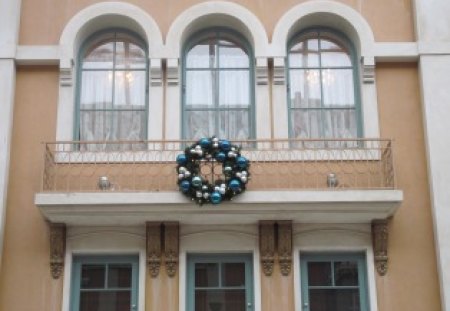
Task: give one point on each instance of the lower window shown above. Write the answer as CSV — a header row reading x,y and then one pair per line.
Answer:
x,y
334,282
220,283
104,283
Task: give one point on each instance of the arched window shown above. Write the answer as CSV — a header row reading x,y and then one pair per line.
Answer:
x,y
112,88
218,91
323,87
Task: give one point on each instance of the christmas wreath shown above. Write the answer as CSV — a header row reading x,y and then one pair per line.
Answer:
x,y
212,151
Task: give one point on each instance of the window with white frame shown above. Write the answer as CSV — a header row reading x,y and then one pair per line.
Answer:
x,y
323,93
112,89
333,282
218,91
219,282
104,283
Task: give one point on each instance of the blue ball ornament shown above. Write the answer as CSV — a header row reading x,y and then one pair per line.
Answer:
x,y
234,184
216,198
225,145
181,159
241,162
204,142
196,181
221,157
185,185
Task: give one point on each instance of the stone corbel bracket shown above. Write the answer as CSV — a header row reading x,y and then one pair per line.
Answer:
x,y
156,75
171,247
153,235
57,248
285,246
267,245
380,233
65,77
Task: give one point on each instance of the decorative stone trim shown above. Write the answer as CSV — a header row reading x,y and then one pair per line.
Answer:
x,y
156,76
380,234
368,70
285,246
279,71
65,77
57,248
267,245
153,247
171,247
262,72
173,76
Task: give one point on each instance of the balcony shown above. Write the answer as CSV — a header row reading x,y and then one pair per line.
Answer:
x,y
289,179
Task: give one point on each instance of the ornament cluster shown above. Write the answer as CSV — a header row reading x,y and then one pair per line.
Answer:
x,y
235,174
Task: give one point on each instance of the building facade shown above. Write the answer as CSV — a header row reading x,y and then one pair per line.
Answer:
x,y
340,108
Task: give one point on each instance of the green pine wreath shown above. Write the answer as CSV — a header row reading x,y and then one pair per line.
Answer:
x,y
235,173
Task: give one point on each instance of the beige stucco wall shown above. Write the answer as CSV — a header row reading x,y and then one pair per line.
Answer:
x,y
411,282
42,21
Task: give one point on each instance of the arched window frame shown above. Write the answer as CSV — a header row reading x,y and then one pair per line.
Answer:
x,y
342,40
79,70
192,41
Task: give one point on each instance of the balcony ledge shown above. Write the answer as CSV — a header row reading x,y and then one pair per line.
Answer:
x,y
125,208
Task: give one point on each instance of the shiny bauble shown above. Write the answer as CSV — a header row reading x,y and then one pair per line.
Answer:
x,y
193,151
238,174
196,181
244,179
227,170
204,142
215,140
199,194
206,195
225,145
231,154
197,148
216,198
182,170
216,188
221,157
180,176
199,152
215,145
241,162
204,188
244,173
181,159
185,185
222,190
234,184
187,174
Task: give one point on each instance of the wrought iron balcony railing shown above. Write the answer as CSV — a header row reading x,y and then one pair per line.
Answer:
x,y
275,165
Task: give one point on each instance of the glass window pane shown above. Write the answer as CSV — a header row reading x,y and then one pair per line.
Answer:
x,y
92,276
339,123
129,55
199,124
128,125
206,275
234,124
199,89
305,53
346,273
338,88
234,88
305,88
319,274
333,55
233,274
100,56
334,300
232,55
129,90
95,125
202,55
105,301
220,300
96,90
119,276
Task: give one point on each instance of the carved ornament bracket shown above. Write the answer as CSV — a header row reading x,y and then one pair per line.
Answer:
x,y
57,248
380,233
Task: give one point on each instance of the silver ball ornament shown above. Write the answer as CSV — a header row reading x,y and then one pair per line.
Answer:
x,y
222,190
187,174
193,151
182,170
231,154
180,176
238,174
206,195
198,194
244,179
215,145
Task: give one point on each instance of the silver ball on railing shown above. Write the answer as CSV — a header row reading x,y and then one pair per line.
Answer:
x,y
332,180
104,183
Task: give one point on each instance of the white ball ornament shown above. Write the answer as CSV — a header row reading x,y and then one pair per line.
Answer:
x,y
244,173
216,188
238,174
231,154
215,145
187,174
222,190
193,151
180,176
199,194
182,170
244,179
206,195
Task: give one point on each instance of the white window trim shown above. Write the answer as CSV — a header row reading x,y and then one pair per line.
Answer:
x,y
109,241
88,21
346,20
339,239
219,239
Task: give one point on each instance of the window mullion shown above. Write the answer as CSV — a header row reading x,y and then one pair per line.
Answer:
x,y
322,117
